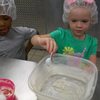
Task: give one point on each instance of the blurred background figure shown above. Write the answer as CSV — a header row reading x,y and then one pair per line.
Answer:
x,y
12,39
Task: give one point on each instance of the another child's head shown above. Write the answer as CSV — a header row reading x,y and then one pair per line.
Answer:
x,y
80,14
90,5
7,14
7,7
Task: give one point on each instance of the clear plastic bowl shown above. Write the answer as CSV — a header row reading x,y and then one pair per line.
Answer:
x,y
64,78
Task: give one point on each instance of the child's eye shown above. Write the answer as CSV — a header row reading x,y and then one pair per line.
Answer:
x,y
84,21
74,20
5,17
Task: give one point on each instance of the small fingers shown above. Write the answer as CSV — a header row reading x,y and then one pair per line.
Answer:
x,y
51,46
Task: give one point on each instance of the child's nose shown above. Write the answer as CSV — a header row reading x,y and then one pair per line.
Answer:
x,y
79,24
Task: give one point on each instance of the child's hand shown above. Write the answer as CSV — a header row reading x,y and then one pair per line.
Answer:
x,y
48,43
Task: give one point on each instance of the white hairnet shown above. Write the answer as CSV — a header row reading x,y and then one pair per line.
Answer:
x,y
7,7
89,4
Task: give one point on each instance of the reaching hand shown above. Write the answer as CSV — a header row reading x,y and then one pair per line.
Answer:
x,y
48,43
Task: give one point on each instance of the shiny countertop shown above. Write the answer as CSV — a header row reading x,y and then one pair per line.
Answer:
x,y
19,70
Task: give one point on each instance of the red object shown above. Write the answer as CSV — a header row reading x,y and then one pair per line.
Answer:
x,y
7,87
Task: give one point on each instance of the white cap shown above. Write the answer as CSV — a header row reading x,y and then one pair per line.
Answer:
x,y
72,4
7,7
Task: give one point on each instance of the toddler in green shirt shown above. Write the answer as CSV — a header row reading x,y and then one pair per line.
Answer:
x,y
79,15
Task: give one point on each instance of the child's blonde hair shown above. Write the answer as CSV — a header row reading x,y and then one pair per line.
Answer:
x,y
72,4
7,7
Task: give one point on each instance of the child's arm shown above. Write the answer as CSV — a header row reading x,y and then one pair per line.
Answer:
x,y
93,58
44,41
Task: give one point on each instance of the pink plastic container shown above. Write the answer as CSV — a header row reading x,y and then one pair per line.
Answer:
x,y
7,87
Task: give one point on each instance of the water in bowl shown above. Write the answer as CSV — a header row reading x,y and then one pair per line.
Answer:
x,y
65,83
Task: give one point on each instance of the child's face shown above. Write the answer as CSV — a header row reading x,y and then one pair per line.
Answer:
x,y
5,24
79,21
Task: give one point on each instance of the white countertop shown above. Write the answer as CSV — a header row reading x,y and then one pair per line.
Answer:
x,y
18,71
